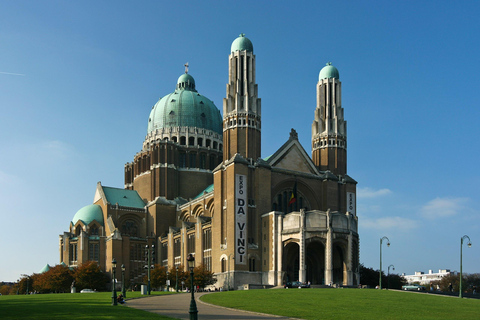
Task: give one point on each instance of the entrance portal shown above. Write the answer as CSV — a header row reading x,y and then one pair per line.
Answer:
x,y
315,260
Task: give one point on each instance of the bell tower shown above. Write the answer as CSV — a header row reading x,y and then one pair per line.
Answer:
x,y
241,107
329,129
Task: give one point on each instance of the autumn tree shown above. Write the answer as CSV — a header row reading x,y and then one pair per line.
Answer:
x,y
57,279
89,275
158,276
202,277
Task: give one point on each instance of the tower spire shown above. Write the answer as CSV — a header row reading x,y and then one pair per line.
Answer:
x,y
241,107
329,128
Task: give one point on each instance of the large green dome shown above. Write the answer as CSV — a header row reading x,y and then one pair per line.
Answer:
x,y
89,213
329,72
242,43
185,107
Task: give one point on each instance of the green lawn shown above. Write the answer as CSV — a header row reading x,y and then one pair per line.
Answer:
x,y
348,304
70,306
296,303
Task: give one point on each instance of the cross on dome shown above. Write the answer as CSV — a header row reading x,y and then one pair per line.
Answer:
x,y
186,67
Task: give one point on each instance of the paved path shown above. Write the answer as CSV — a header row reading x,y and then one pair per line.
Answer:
x,y
177,306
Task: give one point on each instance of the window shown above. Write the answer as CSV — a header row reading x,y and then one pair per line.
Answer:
x,y
164,254
182,160
129,228
191,243
94,231
177,251
192,160
93,251
207,249
224,265
251,264
73,253
136,252
203,161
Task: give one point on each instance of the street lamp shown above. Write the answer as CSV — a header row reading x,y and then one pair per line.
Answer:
x,y
114,289
149,259
176,279
193,306
461,246
123,282
388,245
388,275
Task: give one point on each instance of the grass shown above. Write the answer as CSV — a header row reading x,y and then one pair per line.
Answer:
x,y
70,306
295,303
348,304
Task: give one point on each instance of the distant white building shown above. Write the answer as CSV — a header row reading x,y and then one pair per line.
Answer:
x,y
427,278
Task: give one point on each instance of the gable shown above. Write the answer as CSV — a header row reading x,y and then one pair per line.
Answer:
x,y
291,156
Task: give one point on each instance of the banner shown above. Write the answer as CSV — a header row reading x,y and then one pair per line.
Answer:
x,y
351,203
240,219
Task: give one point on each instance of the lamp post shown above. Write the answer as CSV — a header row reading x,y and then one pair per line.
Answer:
x,y
388,275
388,245
460,295
149,259
176,278
124,293
114,289
193,306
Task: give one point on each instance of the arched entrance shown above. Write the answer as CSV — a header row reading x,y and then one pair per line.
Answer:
x,y
291,253
339,265
315,261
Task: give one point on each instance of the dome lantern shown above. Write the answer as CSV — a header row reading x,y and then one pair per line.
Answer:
x,y
329,72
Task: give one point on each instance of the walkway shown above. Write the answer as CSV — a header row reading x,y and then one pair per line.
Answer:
x,y
177,306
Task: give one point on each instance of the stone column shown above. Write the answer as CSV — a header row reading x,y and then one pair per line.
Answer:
x,y
328,252
302,273
349,260
279,243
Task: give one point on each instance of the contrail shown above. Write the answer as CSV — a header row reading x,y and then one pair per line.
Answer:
x,y
12,74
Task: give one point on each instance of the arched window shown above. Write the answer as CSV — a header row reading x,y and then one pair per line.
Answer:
x,y
129,228
224,265
94,231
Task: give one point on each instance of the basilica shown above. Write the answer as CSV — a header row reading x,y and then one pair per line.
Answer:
x,y
200,186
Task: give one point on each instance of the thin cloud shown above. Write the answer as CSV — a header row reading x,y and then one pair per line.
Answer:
x,y
398,223
370,193
12,74
443,207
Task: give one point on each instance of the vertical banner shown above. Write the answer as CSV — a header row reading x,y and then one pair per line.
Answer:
x,y
240,219
351,203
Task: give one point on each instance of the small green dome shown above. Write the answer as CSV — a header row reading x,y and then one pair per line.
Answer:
x,y
329,72
185,107
186,81
89,213
242,43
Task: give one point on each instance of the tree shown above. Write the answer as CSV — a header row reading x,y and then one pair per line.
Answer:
x,y
158,276
57,279
369,277
445,282
89,275
202,277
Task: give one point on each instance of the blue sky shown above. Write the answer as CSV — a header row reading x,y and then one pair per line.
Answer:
x,y
78,80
